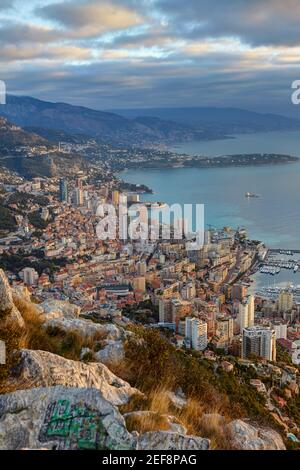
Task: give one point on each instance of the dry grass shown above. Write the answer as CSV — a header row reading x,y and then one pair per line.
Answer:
x,y
147,421
200,416
194,417
35,336
160,401
65,343
211,425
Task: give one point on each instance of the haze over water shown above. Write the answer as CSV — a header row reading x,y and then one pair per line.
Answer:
x,y
274,217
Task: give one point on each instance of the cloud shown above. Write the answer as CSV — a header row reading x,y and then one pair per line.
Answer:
x,y
90,19
58,53
125,53
258,22
17,33
6,4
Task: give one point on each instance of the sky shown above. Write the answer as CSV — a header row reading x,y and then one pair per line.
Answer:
x,y
153,53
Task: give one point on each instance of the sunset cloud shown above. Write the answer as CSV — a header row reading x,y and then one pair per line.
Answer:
x,y
90,19
122,53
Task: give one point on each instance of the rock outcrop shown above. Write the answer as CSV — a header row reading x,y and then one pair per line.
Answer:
x,y
57,308
61,418
245,436
177,398
8,310
21,293
86,328
113,351
166,440
44,369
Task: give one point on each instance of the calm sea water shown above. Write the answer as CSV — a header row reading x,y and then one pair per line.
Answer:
x,y
274,217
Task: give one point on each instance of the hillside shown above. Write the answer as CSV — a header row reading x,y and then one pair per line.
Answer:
x,y
106,126
32,155
226,120
149,397
12,135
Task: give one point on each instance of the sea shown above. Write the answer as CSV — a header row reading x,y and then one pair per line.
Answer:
x,y
273,217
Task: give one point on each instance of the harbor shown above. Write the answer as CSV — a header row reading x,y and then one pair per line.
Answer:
x,y
278,271
276,260
273,293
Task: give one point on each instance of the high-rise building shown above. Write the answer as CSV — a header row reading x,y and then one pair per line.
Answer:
x,y
224,331
63,190
285,301
78,196
165,310
196,333
260,341
246,312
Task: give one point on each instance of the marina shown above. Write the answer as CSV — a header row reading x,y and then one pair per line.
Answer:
x,y
276,260
272,293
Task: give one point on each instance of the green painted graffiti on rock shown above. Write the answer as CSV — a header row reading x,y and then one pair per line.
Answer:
x,y
74,426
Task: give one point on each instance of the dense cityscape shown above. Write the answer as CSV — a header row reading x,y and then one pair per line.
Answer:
x,y
201,300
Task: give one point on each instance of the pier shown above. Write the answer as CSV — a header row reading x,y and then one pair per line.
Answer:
x,y
279,251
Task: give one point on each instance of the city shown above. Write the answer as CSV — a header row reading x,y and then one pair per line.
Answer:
x,y
200,298
149,231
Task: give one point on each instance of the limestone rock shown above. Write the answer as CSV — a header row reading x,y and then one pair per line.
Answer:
x,y
6,299
248,437
61,418
22,293
166,440
177,399
44,369
112,352
8,310
57,308
85,327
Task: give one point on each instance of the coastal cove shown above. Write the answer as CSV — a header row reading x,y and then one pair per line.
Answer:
x,y
273,218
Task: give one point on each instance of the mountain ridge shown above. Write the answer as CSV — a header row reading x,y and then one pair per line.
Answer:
x,y
142,127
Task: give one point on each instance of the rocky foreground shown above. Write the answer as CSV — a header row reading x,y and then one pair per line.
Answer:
x,y
50,402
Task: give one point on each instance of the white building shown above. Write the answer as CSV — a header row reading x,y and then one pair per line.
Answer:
x,y
246,312
29,276
280,329
196,333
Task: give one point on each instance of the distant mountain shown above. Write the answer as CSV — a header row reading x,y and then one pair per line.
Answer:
x,y
106,126
140,127
223,120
